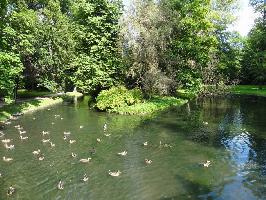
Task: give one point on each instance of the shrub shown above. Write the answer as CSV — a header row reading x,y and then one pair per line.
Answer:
x,y
117,97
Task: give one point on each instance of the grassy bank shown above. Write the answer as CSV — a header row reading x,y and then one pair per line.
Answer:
x,y
22,93
149,106
249,90
7,111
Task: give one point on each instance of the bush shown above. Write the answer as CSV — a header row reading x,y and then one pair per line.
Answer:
x,y
117,97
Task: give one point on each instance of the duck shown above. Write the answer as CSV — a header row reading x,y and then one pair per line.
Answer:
x,y
22,132
49,109
7,123
41,158
24,138
17,126
12,146
85,160
107,134
92,150
36,152
207,163
85,178
45,133
6,140
60,185
10,190
117,173
67,133
34,118
105,127
52,144
0,174
61,118
205,123
145,143
20,128
147,161
45,140
98,140
73,155
7,159
123,153
52,123
81,126
1,134
72,141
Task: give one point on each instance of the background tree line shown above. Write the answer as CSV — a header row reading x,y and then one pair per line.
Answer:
x,y
158,46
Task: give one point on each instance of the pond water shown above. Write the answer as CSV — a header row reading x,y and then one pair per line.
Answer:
x,y
229,132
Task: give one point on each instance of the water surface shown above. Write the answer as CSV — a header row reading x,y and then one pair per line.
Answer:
x,y
230,132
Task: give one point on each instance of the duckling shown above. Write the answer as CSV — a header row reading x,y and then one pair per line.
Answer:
x,y
6,140
105,127
117,173
148,161
145,143
98,140
45,133
73,155
10,190
7,159
24,138
60,185
22,132
85,178
107,134
123,153
72,141
85,160
45,140
36,152
12,146
207,163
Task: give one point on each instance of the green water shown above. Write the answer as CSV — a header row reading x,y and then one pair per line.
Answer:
x,y
234,140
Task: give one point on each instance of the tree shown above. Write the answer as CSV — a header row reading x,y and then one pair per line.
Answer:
x,y
10,71
98,64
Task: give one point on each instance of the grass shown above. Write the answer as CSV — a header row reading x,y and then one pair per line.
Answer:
x,y
150,106
7,111
249,90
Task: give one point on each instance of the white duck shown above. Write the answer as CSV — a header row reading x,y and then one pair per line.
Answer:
x,y
147,161
7,159
12,146
72,141
36,152
73,155
45,140
117,173
85,160
123,153
45,133
22,132
85,178
10,190
207,163
98,140
24,138
6,140
145,144
60,185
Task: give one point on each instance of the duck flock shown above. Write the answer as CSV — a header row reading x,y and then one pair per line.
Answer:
x,y
7,143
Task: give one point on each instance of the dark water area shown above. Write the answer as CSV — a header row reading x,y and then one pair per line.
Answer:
x,y
230,132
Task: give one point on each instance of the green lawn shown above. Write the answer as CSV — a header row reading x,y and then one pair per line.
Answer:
x,y
249,90
8,110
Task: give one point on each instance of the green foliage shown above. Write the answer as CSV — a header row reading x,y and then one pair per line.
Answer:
x,y
254,58
117,97
249,90
150,106
10,71
98,65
